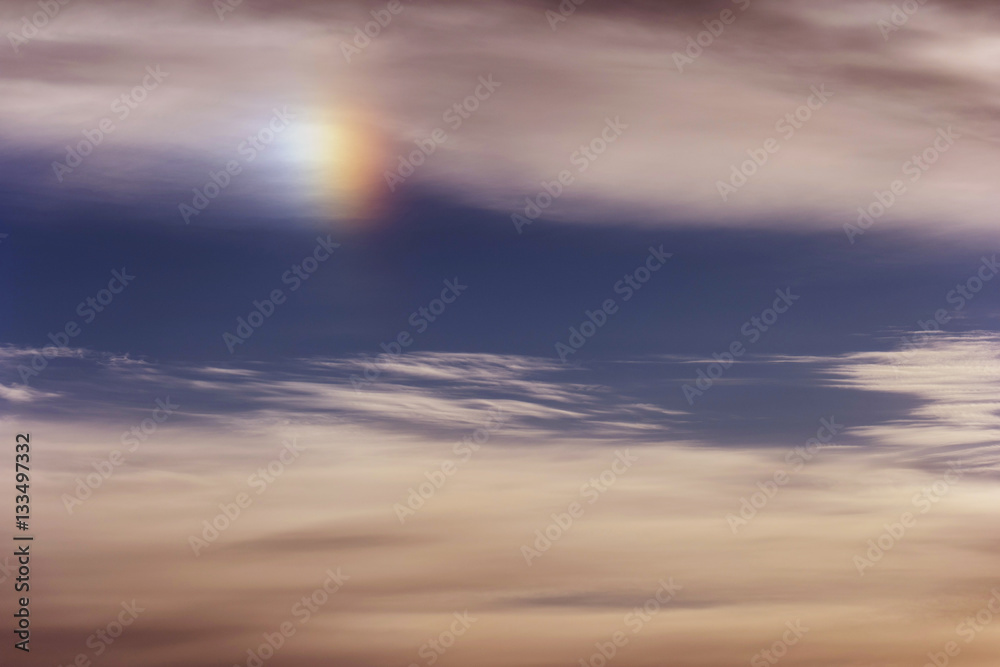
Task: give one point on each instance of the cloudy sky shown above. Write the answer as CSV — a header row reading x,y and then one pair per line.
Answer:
x,y
507,334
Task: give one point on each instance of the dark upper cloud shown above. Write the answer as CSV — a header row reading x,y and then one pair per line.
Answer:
x,y
686,129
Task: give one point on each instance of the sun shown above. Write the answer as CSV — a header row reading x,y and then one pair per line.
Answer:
x,y
340,155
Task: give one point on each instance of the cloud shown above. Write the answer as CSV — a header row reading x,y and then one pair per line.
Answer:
x,y
441,394
664,517
22,394
686,129
924,405
955,378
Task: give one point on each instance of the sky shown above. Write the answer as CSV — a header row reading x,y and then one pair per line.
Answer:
x,y
514,334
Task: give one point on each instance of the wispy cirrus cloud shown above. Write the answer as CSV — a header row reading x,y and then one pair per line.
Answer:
x,y
927,403
955,378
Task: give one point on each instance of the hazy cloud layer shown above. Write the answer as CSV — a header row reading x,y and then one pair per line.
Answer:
x,y
667,516
889,96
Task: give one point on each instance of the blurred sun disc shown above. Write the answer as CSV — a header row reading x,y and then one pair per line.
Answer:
x,y
341,155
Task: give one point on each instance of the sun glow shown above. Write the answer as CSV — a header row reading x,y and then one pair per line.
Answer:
x,y
341,156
